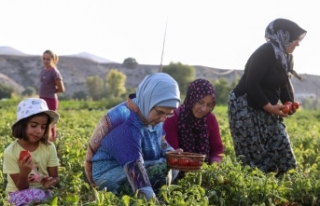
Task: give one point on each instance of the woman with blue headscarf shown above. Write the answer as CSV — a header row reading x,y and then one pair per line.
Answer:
x,y
127,149
256,119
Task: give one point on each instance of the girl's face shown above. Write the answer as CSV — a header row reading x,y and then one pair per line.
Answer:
x,y
203,106
47,60
159,114
36,128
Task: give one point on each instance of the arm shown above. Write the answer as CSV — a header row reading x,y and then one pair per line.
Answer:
x,y
21,179
256,69
52,179
59,86
128,138
216,146
170,126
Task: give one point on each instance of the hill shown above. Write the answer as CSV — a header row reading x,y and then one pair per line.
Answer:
x,y
24,71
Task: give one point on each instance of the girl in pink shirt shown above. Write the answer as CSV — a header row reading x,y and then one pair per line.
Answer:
x,y
50,83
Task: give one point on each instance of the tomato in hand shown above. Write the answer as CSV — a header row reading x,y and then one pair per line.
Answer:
x,y
173,161
286,109
296,105
184,162
24,153
289,104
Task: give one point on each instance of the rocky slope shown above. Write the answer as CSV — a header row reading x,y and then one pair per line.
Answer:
x,y
22,71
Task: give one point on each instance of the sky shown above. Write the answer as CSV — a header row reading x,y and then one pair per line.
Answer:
x,y
221,34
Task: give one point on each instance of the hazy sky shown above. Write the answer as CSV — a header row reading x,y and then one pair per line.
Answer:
x,y
220,34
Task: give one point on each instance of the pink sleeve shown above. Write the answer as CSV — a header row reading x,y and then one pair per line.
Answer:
x,y
170,126
57,75
216,146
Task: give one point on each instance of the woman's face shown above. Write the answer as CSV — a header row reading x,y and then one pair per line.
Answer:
x,y
47,60
203,106
159,114
292,46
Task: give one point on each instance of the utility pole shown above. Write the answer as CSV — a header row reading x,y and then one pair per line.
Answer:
x,y
164,40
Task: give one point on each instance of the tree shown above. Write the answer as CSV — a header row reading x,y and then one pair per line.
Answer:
x,y
5,91
81,95
130,62
115,82
183,74
223,88
95,87
29,91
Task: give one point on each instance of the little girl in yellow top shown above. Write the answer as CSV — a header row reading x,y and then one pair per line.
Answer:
x,y
29,178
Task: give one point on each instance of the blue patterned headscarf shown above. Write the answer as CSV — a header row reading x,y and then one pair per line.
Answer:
x,y
157,89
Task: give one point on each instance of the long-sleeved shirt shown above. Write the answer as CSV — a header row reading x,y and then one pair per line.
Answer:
x,y
216,147
264,80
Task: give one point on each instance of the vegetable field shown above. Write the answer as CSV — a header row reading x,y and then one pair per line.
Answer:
x,y
227,183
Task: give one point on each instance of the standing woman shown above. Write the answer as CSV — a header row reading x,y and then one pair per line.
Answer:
x,y
50,83
194,128
255,117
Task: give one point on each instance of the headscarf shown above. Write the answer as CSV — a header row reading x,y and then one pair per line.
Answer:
x,y
157,89
192,132
281,33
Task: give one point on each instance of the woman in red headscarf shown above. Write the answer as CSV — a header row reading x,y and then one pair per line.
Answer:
x,y
194,127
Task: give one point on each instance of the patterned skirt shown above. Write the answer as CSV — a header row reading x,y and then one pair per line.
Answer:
x,y
260,138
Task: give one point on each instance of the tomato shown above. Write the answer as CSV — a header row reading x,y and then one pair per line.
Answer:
x,y
220,179
173,161
24,153
184,162
289,104
195,163
296,105
286,109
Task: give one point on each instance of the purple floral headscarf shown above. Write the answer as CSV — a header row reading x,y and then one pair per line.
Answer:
x,y
192,132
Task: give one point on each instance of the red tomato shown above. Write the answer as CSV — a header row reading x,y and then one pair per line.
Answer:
x,y
184,162
289,104
173,161
195,163
24,153
296,105
286,109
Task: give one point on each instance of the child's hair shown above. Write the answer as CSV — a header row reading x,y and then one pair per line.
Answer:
x,y
19,129
53,56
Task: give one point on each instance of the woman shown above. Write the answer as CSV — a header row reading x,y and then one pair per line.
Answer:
x,y
193,127
50,83
127,148
255,117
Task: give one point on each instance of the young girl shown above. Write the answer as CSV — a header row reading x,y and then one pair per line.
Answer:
x,y
50,83
29,177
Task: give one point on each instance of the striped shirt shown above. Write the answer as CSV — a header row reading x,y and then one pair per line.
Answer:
x,y
47,82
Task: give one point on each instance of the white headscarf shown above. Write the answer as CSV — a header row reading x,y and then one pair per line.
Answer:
x,y
157,89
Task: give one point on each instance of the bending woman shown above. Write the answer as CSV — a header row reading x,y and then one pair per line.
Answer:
x,y
127,148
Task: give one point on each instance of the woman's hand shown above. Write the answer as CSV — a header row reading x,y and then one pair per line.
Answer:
x,y
179,151
275,109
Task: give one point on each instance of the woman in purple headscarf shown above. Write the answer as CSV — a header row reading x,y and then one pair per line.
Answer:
x,y
256,120
194,127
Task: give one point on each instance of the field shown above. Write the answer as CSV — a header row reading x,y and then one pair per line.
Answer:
x,y
227,183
